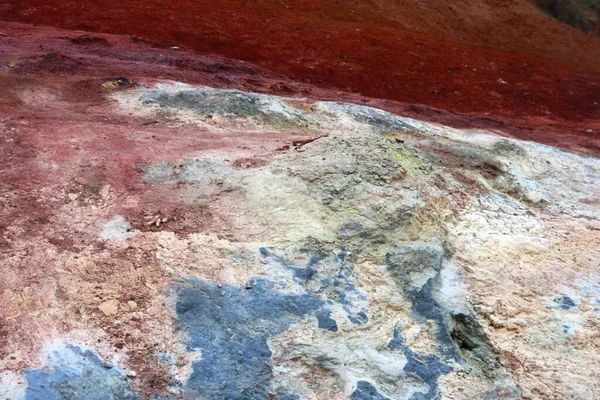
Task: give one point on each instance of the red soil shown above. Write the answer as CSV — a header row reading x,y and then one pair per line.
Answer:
x,y
74,64
486,57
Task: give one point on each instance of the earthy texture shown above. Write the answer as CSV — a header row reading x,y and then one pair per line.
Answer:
x,y
299,200
494,57
165,240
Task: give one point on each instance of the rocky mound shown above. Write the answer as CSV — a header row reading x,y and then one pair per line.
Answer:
x,y
165,240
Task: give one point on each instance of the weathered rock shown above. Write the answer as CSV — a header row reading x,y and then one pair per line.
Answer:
x,y
415,264
74,373
390,259
109,308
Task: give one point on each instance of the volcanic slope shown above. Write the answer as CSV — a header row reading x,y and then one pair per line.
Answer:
x,y
504,58
172,233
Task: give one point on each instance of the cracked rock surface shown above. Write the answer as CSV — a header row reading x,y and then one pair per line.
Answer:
x,y
247,246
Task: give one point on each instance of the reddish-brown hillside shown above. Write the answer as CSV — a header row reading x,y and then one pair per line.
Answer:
x,y
489,56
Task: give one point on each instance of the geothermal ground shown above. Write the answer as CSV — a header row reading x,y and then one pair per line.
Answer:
x,y
376,215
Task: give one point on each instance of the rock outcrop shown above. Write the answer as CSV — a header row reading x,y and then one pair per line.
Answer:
x,y
182,233
314,250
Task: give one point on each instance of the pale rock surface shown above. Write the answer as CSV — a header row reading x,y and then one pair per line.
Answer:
x,y
368,256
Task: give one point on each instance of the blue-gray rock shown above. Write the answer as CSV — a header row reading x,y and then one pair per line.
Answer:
x,y
230,327
77,374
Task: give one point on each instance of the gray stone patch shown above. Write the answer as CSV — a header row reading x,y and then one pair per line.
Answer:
x,y
459,335
230,327
567,329
326,277
283,396
426,367
390,215
325,321
366,391
563,303
231,104
509,148
118,228
378,119
415,263
76,374
200,170
351,229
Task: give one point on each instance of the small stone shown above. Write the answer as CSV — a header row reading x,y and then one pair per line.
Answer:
x,y
131,374
109,307
154,310
132,305
534,197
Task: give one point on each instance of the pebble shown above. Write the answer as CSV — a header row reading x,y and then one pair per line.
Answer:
x,y
109,307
